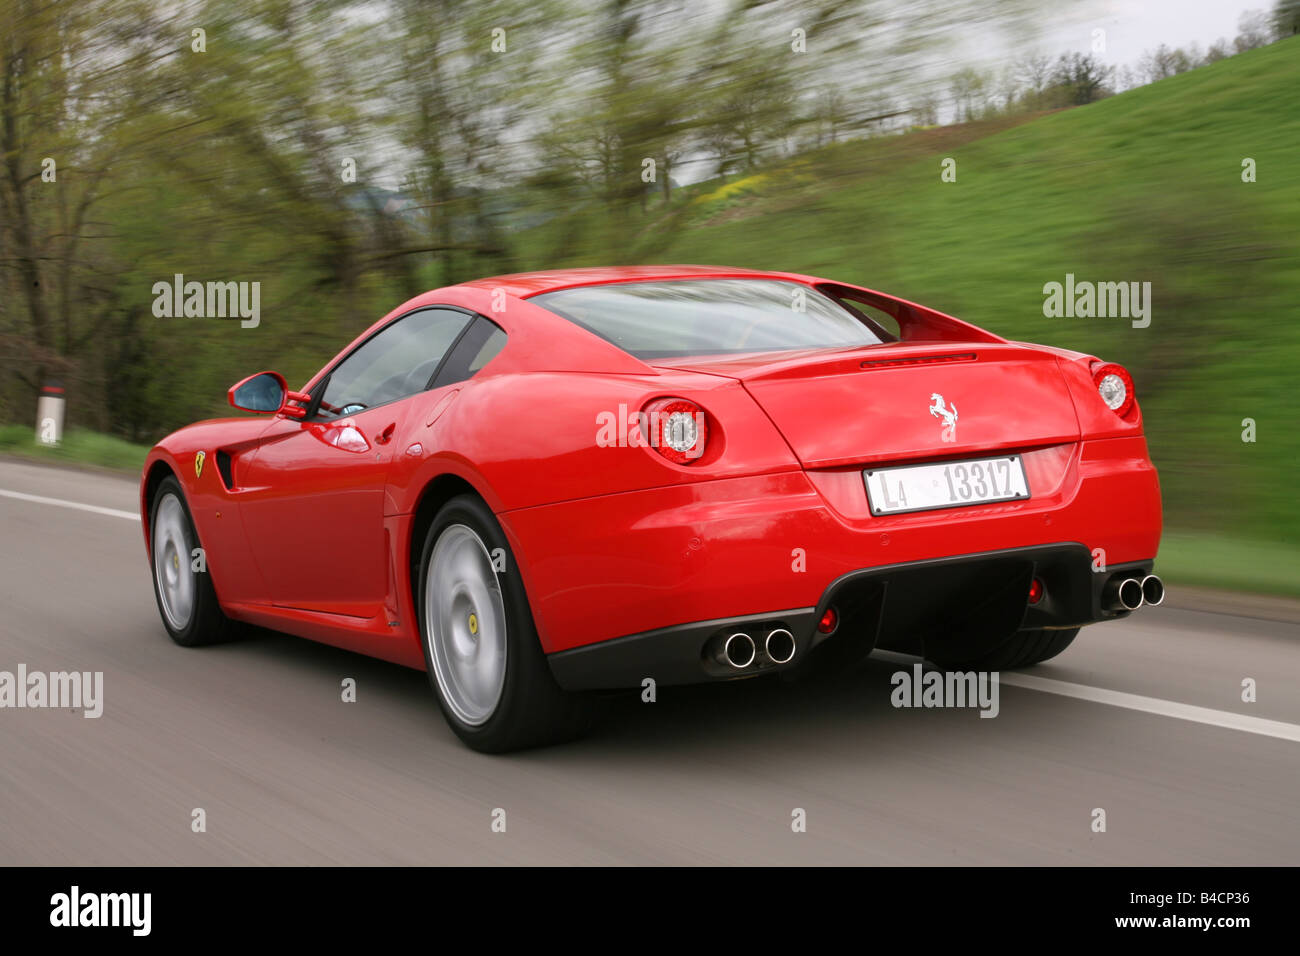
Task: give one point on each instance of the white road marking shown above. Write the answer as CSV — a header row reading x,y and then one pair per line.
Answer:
x,y
1148,705
93,509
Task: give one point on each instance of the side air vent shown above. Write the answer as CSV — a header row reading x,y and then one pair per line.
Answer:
x,y
226,466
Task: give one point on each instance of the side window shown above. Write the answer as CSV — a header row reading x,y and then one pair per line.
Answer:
x,y
478,346
395,362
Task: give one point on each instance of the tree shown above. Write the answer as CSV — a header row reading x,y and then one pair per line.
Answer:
x,y
642,104
1126,78
1081,77
1286,18
832,112
459,89
1218,50
967,87
1254,30
72,81
1034,73
925,112
1007,87
1165,61
270,61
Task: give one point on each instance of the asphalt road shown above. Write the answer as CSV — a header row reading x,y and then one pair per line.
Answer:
x,y
256,734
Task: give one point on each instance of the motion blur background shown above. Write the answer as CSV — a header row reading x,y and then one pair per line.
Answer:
x,y
1103,139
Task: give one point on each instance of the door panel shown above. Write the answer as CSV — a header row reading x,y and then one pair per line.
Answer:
x,y
314,510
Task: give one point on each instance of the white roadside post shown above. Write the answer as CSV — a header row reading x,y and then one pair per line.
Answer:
x,y
49,414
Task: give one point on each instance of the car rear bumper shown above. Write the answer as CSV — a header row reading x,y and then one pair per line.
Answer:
x,y
650,562
966,601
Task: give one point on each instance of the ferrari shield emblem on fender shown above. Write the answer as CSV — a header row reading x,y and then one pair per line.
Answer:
x,y
198,463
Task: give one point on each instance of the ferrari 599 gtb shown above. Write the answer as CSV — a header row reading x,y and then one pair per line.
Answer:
x,y
538,486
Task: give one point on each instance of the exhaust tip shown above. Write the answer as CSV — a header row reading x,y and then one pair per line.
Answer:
x,y
1122,594
779,646
1130,594
739,650
1153,590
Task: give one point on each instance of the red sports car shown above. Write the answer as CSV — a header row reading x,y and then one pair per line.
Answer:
x,y
536,486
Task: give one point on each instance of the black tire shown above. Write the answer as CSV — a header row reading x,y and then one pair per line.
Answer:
x,y
531,709
205,623
1022,649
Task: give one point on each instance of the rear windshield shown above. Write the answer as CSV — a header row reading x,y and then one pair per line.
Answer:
x,y
690,317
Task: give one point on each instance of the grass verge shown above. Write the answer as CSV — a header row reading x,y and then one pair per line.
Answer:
x,y
79,447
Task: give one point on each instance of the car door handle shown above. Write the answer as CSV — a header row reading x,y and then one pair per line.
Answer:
x,y
384,437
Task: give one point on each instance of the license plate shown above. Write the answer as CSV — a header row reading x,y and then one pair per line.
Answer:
x,y
949,484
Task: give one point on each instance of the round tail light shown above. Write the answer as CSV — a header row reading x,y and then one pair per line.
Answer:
x,y
1115,386
677,429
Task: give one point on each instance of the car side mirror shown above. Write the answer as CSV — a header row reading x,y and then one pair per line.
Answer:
x,y
267,393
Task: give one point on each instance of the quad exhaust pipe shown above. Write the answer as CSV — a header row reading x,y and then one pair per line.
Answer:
x,y
1129,594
